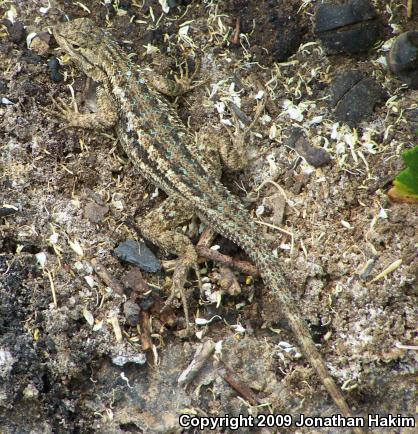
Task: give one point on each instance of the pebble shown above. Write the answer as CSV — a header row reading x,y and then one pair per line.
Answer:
x,y
131,311
3,87
316,157
147,302
122,360
16,30
138,254
412,116
7,210
350,28
54,72
403,58
95,212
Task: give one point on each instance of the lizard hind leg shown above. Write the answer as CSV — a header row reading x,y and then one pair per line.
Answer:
x,y
160,226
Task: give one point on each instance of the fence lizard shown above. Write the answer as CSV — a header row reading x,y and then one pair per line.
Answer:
x,y
165,152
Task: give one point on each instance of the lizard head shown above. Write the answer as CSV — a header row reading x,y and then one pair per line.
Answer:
x,y
82,40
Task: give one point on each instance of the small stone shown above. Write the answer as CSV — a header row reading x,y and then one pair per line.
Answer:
x,y
7,210
3,87
131,311
122,360
54,70
95,212
412,116
403,58
354,97
16,30
351,27
134,281
316,157
138,254
147,302
277,203
30,392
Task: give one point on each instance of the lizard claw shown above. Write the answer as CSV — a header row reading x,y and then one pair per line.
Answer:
x,y
185,80
61,110
177,287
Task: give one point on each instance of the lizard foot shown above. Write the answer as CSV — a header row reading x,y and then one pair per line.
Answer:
x,y
104,118
184,82
179,278
61,110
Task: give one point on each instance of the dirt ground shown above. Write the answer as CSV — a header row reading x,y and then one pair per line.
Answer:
x,y
70,360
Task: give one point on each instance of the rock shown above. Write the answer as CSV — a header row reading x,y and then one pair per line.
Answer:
x,y
131,311
16,30
7,210
3,87
316,157
354,97
138,254
351,27
412,116
95,212
54,72
403,58
147,302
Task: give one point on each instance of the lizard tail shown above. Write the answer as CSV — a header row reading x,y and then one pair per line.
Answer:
x,y
273,277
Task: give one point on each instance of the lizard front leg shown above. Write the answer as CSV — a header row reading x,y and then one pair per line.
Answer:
x,y
103,118
160,226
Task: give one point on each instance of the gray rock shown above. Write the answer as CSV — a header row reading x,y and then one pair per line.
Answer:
x,y
138,254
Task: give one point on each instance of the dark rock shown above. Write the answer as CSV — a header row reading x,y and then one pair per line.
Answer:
x,y
354,97
350,27
54,72
342,84
3,87
17,32
147,302
125,4
316,157
412,116
131,311
403,58
138,254
7,210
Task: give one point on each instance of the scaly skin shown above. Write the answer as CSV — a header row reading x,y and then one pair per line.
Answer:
x,y
165,152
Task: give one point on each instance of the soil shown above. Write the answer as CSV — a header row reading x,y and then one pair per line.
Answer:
x,y
69,196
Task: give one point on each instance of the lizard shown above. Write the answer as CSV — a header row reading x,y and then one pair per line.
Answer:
x,y
165,152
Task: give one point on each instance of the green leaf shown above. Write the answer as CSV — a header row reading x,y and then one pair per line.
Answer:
x,y
406,183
